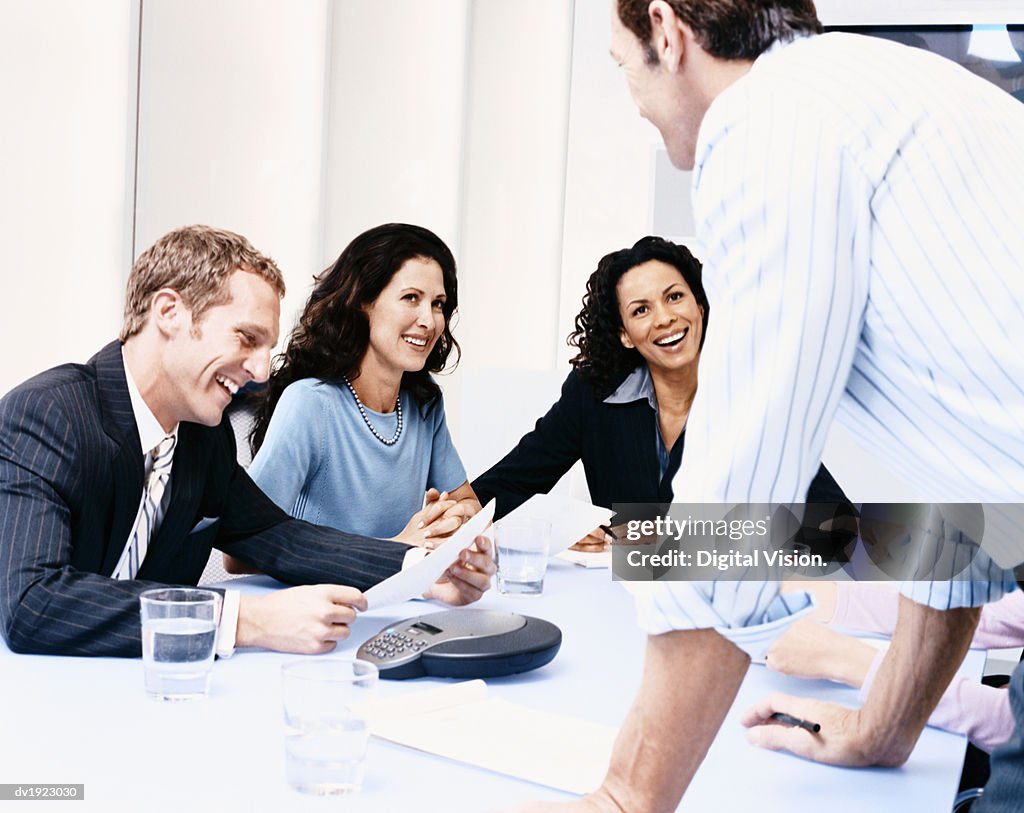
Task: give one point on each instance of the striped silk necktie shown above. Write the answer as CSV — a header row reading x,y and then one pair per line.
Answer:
x,y
138,541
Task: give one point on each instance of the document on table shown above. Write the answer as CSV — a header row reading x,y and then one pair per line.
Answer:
x,y
570,519
413,581
585,559
463,723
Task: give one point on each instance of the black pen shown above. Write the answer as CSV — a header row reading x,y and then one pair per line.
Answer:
x,y
788,719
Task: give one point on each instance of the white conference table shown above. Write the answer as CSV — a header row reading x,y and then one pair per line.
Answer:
x,y
87,720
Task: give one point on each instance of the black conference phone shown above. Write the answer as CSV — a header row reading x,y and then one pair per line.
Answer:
x,y
462,644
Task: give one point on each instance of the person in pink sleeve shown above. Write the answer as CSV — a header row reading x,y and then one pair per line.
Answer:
x,y
810,649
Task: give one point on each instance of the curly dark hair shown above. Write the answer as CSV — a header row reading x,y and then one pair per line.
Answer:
x,y
334,331
602,360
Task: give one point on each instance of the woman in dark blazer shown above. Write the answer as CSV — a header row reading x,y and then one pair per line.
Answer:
x,y
624,406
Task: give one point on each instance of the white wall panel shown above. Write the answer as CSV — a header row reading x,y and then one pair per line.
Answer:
x,y
512,207
231,129
397,101
611,161
515,171
67,91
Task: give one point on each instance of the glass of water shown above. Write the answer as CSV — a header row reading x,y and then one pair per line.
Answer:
x,y
325,738
179,632
521,550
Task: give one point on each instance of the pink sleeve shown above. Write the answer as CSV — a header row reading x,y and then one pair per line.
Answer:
x,y
968,707
867,607
1002,623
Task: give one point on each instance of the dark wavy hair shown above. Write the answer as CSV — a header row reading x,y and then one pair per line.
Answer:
x,y
728,29
602,360
334,330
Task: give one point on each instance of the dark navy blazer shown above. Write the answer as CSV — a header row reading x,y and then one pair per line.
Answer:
x,y
71,480
616,444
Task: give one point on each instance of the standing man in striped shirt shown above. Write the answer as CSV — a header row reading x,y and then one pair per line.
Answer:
x,y
855,208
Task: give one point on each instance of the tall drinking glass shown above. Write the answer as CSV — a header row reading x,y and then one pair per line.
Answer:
x,y
179,633
325,739
521,550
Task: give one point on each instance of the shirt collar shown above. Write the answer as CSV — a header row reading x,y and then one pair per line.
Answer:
x,y
636,386
781,44
150,430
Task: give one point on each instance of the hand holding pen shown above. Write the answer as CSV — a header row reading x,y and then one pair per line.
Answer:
x,y
782,722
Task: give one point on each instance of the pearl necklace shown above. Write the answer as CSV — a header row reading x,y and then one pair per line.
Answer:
x,y
366,418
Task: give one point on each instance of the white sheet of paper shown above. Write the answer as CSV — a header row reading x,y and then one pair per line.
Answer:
x,y
570,519
414,581
461,722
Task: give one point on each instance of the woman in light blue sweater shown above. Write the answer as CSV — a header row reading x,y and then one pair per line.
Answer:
x,y
351,430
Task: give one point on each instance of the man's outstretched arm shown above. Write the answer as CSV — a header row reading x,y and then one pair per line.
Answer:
x,y
928,646
690,680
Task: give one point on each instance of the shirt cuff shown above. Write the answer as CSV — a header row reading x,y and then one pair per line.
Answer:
x,y
950,595
757,639
227,630
749,614
948,569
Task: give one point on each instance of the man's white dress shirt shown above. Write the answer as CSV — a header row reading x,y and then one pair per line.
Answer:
x,y
858,211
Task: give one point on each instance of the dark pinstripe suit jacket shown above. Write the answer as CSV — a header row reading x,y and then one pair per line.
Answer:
x,y
71,480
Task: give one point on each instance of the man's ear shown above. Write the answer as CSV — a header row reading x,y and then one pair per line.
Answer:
x,y
670,36
624,338
168,312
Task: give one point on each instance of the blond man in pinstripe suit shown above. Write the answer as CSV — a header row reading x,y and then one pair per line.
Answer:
x,y
201,319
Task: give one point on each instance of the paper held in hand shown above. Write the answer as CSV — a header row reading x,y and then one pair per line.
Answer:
x,y
414,581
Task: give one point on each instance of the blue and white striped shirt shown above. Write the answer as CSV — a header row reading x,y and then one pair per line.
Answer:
x,y
857,206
